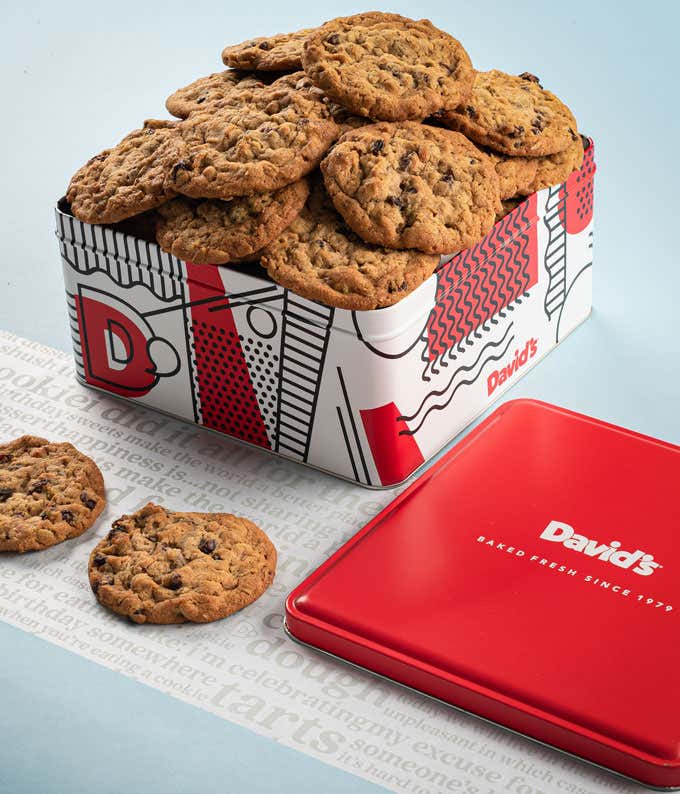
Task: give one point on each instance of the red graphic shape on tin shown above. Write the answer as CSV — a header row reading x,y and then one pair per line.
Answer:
x,y
226,393
481,281
395,456
576,210
115,349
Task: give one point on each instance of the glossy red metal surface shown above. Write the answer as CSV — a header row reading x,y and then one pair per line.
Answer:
x,y
530,577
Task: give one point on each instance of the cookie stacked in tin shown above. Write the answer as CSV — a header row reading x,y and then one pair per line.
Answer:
x,y
345,159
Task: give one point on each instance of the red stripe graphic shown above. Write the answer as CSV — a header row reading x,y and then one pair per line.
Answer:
x,y
227,397
576,194
395,456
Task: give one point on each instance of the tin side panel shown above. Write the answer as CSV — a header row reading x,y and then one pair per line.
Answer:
x,y
367,395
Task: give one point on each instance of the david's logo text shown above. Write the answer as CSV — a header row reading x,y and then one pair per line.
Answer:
x,y
638,561
499,376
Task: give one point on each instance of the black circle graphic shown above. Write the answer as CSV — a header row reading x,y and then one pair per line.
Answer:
x,y
262,321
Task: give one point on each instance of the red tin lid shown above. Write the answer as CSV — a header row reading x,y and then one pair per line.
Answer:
x,y
532,577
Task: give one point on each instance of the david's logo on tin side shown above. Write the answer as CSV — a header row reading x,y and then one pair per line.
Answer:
x,y
499,376
559,532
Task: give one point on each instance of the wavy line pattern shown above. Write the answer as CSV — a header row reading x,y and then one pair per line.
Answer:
x,y
464,382
480,283
465,368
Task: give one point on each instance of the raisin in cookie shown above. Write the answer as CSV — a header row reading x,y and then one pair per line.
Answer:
x,y
555,168
211,91
406,185
514,115
129,178
48,493
279,53
211,231
388,67
273,137
161,566
320,258
345,120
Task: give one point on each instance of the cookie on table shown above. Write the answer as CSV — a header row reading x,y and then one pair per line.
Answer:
x,y
320,258
211,231
514,115
279,53
129,178
389,67
161,566
515,174
211,91
407,185
555,168
275,136
49,492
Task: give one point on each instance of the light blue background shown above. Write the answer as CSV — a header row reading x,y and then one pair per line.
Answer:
x,y
77,76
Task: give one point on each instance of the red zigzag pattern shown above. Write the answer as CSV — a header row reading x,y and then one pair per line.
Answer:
x,y
481,281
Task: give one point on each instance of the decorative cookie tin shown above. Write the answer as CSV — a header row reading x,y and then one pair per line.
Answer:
x,y
369,396
540,590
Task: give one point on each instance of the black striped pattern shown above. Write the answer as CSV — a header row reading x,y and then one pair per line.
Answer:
x,y
127,260
555,257
304,342
75,334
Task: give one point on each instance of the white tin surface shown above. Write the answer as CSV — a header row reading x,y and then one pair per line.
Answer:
x,y
369,396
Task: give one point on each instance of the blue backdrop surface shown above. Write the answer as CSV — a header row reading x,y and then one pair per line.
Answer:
x,y
77,76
